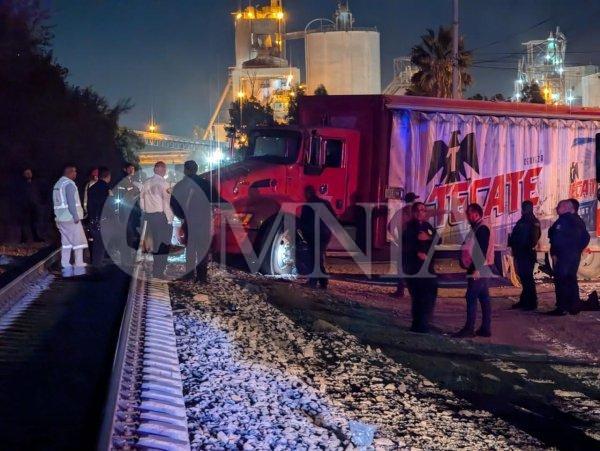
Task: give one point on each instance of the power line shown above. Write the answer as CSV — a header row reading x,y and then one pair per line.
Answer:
x,y
542,22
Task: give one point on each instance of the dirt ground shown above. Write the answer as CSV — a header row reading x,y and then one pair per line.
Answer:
x,y
571,336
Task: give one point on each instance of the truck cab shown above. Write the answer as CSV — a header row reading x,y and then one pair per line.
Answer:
x,y
279,164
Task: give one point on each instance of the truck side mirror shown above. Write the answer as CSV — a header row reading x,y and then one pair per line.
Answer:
x,y
313,164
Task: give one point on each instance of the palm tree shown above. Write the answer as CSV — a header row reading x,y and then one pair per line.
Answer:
x,y
433,58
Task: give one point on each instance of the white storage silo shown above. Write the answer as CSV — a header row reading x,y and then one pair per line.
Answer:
x,y
342,58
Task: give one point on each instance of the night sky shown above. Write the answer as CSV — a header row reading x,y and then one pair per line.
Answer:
x,y
172,55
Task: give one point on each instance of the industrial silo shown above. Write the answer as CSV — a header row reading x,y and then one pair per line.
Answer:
x,y
343,58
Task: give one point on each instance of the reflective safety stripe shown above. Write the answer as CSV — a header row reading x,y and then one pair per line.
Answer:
x,y
67,246
82,246
59,199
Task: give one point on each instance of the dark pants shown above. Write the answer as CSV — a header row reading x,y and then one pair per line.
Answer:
x,y
322,281
566,285
196,255
160,231
132,218
400,281
97,245
477,290
524,266
423,293
28,224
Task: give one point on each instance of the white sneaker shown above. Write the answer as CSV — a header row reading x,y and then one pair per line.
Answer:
x,y
67,271
79,270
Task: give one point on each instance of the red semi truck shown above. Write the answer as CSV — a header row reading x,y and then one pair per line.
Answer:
x,y
357,150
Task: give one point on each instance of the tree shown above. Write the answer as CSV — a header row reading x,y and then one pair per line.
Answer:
x,y
321,90
296,93
477,97
495,98
244,115
433,58
45,121
129,144
532,93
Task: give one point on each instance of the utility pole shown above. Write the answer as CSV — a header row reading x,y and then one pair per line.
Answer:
x,y
456,94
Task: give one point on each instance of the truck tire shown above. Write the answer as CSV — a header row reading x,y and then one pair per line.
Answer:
x,y
589,268
280,258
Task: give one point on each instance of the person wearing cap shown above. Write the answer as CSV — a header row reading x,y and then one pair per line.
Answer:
x,y
396,228
522,241
417,239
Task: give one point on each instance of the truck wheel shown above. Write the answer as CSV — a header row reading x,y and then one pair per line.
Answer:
x,y
281,255
589,268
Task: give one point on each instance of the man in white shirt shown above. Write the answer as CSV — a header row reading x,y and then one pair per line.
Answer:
x,y
155,198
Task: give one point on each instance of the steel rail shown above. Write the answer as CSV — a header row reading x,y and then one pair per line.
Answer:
x,y
145,407
13,292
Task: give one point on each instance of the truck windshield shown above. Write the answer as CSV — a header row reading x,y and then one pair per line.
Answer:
x,y
274,146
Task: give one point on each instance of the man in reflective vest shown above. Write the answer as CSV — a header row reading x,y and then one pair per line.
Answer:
x,y
68,214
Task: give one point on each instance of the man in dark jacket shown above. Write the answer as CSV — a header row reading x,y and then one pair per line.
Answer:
x,y
97,195
568,238
28,203
396,228
191,201
523,240
477,257
417,239
317,237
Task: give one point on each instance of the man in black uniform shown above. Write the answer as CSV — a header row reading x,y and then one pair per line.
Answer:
x,y
396,228
417,240
191,201
97,195
568,238
317,243
523,240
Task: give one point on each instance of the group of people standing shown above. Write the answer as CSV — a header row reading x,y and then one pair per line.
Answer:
x,y
416,237
191,200
122,208
92,213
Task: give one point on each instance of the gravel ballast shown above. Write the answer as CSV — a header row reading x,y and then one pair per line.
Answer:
x,y
253,379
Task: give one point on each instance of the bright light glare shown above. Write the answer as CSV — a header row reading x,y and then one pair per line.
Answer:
x,y
216,156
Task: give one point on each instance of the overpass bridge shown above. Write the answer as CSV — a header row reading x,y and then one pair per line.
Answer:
x,y
175,150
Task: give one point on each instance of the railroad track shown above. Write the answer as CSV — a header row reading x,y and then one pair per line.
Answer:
x,y
89,362
145,406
